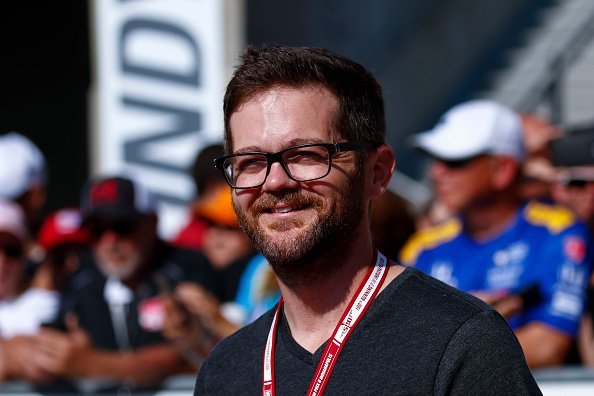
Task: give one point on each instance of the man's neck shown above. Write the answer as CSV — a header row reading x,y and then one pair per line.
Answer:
x,y
483,222
313,311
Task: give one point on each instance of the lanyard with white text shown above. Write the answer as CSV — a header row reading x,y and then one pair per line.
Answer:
x,y
357,307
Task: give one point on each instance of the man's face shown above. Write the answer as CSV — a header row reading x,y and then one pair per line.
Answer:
x,y
120,245
11,266
579,196
223,246
461,184
294,222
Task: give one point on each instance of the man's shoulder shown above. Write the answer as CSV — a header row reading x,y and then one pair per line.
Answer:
x,y
428,293
430,238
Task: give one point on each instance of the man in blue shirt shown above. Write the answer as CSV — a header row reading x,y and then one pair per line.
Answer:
x,y
528,259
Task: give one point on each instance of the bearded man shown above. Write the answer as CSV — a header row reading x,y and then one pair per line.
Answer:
x,y
304,131
111,319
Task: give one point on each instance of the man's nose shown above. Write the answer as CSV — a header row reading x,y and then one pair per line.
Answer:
x,y
278,179
437,170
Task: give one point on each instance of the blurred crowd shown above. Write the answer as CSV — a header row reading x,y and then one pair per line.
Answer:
x,y
92,298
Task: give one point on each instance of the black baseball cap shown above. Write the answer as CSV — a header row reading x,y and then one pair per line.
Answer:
x,y
116,197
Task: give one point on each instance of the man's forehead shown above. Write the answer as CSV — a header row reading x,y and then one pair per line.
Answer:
x,y
282,145
283,115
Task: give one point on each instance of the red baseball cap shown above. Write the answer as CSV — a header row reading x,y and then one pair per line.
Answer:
x,y
63,227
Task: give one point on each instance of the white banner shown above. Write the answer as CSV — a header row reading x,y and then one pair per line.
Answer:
x,y
161,71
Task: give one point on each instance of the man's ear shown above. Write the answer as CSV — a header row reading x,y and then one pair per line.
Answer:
x,y
382,165
505,172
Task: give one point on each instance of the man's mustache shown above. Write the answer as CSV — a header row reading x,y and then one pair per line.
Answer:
x,y
267,200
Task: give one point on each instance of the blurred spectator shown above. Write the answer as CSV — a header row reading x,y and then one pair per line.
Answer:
x,y
537,134
530,260
196,321
224,244
538,173
208,181
63,240
258,289
111,319
434,213
24,303
392,223
575,188
23,176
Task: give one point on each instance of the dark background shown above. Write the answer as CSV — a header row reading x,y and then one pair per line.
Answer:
x,y
44,81
427,54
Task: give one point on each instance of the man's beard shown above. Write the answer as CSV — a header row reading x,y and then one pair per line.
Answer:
x,y
118,269
301,261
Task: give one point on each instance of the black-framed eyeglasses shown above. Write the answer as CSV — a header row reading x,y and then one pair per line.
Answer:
x,y
301,163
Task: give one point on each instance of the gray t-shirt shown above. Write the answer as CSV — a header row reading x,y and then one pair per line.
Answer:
x,y
419,337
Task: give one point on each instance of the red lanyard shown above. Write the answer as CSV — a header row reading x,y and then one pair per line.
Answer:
x,y
353,313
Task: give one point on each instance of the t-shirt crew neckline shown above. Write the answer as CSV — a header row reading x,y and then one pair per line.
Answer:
x,y
293,347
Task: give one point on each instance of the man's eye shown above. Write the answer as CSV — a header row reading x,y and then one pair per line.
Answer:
x,y
250,164
307,155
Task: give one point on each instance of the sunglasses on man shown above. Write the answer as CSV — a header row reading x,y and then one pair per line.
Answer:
x,y
119,227
578,183
11,250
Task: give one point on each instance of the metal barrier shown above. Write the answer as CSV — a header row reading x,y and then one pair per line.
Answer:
x,y
564,381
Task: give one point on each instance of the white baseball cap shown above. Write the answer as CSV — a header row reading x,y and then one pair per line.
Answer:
x,y
12,220
22,165
474,128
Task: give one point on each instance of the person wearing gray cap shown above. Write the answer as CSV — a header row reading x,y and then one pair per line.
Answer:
x,y
528,259
25,302
23,176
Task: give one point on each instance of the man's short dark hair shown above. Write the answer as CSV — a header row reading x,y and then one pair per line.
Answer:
x,y
360,113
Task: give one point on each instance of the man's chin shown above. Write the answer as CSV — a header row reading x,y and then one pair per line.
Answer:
x,y
118,271
275,225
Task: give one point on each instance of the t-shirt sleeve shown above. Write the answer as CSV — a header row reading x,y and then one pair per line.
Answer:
x,y
484,357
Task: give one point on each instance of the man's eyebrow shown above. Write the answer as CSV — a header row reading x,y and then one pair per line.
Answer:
x,y
290,143
248,149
